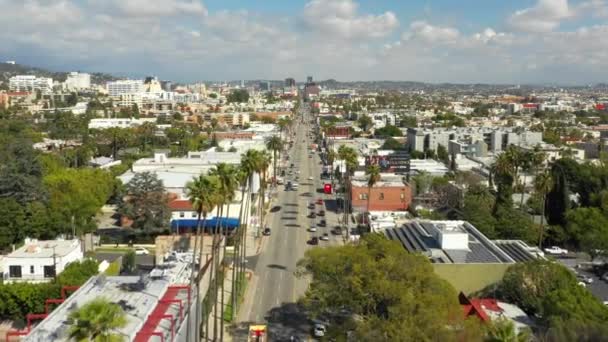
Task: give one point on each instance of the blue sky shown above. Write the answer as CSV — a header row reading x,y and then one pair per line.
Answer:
x,y
491,41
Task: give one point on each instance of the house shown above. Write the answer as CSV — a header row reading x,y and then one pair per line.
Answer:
x,y
489,309
40,261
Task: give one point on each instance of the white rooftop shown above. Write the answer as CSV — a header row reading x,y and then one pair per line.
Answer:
x,y
45,248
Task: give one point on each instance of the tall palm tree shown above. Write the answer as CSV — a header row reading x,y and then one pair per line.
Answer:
x,y
349,156
543,183
504,172
275,144
242,176
96,320
373,172
228,184
262,167
201,192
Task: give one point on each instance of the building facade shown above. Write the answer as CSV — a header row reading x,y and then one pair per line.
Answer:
x,y
117,88
78,81
31,83
392,194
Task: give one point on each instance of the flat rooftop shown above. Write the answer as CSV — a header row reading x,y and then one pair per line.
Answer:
x,y
45,248
454,242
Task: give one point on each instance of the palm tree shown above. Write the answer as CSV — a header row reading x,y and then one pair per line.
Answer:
x,y
349,156
242,176
275,144
201,192
262,168
228,183
373,171
543,183
96,320
504,172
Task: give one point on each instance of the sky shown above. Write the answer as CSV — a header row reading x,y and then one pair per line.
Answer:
x,y
464,41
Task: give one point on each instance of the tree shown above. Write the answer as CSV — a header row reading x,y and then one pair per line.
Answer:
x,y
392,144
373,173
96,320
128,262
146,202
388,131
365,122
21,172
503,330
587,228
543,183
442,154
238,96
504,172
422,182
394,295
201,192
274,144
558,199
477,210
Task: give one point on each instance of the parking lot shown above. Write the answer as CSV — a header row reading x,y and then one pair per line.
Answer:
x,y
598,287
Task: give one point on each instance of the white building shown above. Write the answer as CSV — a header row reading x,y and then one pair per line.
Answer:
x,y
78,81
118,123
31,83
39,261
117,88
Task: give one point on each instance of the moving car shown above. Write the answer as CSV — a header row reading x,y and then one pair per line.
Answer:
x,y
554,250
325,237
312,215
321,212
313,241
310,178
319,330
266,231
311,205
337,230
141,251
322,223
312,229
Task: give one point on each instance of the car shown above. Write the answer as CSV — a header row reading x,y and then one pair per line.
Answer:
x,y
312,229
141,251
554,250
319,330
313,241
605,277
325,237
310,178
311,205
266,231
585,279
320,201
312,215
321,212
322,223
337,230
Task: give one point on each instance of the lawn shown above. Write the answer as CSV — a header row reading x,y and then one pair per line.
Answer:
x,y
242,281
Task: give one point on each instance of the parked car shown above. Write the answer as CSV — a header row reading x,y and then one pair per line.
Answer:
x,y
554,250
322,223
320,201
141,251
312,229
312,215
313,241
605,277
319,330
585,279
337,230
266,231
311,205
325,237
321,212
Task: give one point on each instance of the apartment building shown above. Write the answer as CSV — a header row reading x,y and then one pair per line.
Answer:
x,y
31,83
78,81
118,123
228,119
391,193
117,88
496,138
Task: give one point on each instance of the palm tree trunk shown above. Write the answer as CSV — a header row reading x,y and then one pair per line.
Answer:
x,y
274,161
369,195
211,290
224,236
523,192
200,315
237,254
192,275
217,268
542,223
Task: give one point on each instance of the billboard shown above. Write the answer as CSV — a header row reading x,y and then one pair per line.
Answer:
x,y
397,162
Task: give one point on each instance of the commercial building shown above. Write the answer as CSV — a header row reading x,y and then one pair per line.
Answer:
x,y
117,88
118,123
31,83
290,82
40,261
229,119
391,193
78,81
496,138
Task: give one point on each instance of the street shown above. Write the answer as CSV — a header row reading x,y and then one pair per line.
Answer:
x,y
277,288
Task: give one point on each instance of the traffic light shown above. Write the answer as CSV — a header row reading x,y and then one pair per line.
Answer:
x,y
327,188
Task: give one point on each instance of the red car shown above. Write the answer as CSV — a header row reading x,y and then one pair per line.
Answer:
x,y
320,201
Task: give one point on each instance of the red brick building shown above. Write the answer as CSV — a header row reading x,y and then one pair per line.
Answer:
x,y
389,194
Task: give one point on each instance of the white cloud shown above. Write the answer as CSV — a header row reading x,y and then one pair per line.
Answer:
x,y
155,8
340,17
545,16
421,30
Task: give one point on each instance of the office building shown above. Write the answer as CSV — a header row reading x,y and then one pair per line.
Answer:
x,y
78,81
290,82
31,83
391,193
117,88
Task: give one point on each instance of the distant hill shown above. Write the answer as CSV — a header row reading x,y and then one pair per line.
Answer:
x,y
9,70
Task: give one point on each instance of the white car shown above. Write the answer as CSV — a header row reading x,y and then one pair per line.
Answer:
x,y
554,250
312,229
319,330
141,251
310,178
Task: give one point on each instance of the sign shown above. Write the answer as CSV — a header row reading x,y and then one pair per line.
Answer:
x,y
327,188
397,162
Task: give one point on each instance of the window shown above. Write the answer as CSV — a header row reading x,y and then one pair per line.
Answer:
x,y
14,271
193,215
49,271
382,195
403,195
362,196
31,269
182,214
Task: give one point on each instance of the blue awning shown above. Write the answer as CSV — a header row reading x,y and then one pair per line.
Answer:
x,y
229,223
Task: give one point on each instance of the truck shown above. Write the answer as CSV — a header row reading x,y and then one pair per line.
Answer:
x,y
257,333
554,250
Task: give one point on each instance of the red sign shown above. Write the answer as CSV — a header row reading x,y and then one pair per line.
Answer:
x,y
327,188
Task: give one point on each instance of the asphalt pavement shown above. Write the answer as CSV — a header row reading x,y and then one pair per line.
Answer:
x,y
276,290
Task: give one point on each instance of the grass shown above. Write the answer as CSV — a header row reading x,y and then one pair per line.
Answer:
x,y
114,268
241,281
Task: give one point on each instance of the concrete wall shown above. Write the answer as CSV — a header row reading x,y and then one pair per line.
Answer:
x,y
470,278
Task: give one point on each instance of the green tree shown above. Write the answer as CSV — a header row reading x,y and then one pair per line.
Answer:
x,y
21,172
477,210
373,177
275,144
392,144
442,154
388,131
588,229
365,122
503,330
422,182
394,295
96,321
128,262
238,96
146,202
543,183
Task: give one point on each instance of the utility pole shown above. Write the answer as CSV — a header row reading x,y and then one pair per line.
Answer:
x,y
54,265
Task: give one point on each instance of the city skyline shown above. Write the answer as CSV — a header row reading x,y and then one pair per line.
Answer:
x,y
520,42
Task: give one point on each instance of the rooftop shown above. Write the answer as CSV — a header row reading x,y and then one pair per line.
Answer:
x,y
45,248
453,242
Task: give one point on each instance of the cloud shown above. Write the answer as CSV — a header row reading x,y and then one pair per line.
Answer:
x,y
340,18
424,31
155,8
545,16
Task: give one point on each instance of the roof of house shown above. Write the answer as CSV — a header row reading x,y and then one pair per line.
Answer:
x,y
45,248
180,205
